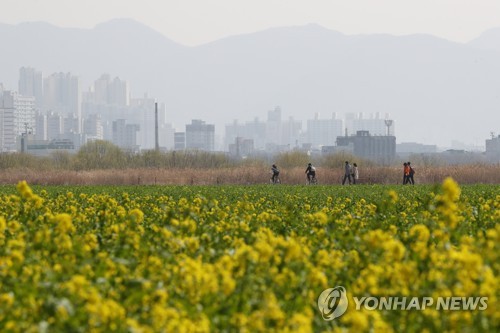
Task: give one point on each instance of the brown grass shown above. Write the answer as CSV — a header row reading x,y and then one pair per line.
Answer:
x,y
245,175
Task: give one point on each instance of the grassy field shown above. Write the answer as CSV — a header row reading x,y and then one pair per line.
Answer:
x,y
244,258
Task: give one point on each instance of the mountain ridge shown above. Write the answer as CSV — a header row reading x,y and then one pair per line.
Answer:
x,y
488,40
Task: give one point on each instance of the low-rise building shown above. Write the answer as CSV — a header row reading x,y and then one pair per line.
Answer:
x,y
493,148
379,148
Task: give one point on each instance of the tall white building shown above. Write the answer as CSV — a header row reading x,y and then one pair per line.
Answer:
x,y
111,91
323,132
31,84
273,126
290,132
118,92
17,117
142,112
233,131
62,95
373,123
166,136
253,130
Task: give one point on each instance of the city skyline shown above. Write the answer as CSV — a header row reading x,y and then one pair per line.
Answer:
x,y
61,107
109,113
316,125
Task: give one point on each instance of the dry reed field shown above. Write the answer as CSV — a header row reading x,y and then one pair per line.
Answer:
x,y
245,175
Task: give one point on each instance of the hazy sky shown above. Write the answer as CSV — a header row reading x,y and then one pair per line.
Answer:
x,y
193,22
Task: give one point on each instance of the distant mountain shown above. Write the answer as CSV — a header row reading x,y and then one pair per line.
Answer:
x,y
436,90
121,47
489,40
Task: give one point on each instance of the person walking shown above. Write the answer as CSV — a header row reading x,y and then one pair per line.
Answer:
x,y
406,173
275,174
355,173
411,172
347,173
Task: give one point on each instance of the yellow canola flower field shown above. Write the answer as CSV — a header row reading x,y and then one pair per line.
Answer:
x,y
245,258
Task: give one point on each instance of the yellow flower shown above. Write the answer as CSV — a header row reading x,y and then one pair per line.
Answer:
x,y
393,196
395,250
24,189
63,223
447,202
320,218
421,232
7,300
76,283
3,225
451,189
137,215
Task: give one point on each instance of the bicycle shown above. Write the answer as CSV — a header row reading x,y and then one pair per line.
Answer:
x,y
275,180
312,180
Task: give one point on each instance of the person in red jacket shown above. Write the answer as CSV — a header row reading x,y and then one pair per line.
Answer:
x,y
411,172
406,173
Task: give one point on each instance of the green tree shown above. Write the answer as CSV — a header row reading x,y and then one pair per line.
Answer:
x,y
293,159
100,155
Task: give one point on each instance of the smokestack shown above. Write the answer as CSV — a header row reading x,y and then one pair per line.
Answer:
x,y
157,143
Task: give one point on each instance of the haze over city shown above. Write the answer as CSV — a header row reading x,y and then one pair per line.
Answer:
x,y
431,67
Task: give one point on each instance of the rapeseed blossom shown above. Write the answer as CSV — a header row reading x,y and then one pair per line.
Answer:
x,y
210,259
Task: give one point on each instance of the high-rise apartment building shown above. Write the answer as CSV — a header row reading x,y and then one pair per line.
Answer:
x,y
62,94
200,135
17,117
31,84
290,133
55,126
233,131
142,112
41,126
372,123
118,92
92,127
254,130
125,135
111,91
273,126
166,136
323,132
179,140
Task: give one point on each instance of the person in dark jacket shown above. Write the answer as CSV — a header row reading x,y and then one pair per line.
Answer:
x,y
347,173
276,172
311,173
406,173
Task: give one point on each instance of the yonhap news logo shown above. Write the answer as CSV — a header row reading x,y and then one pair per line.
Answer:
x,y
333,302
